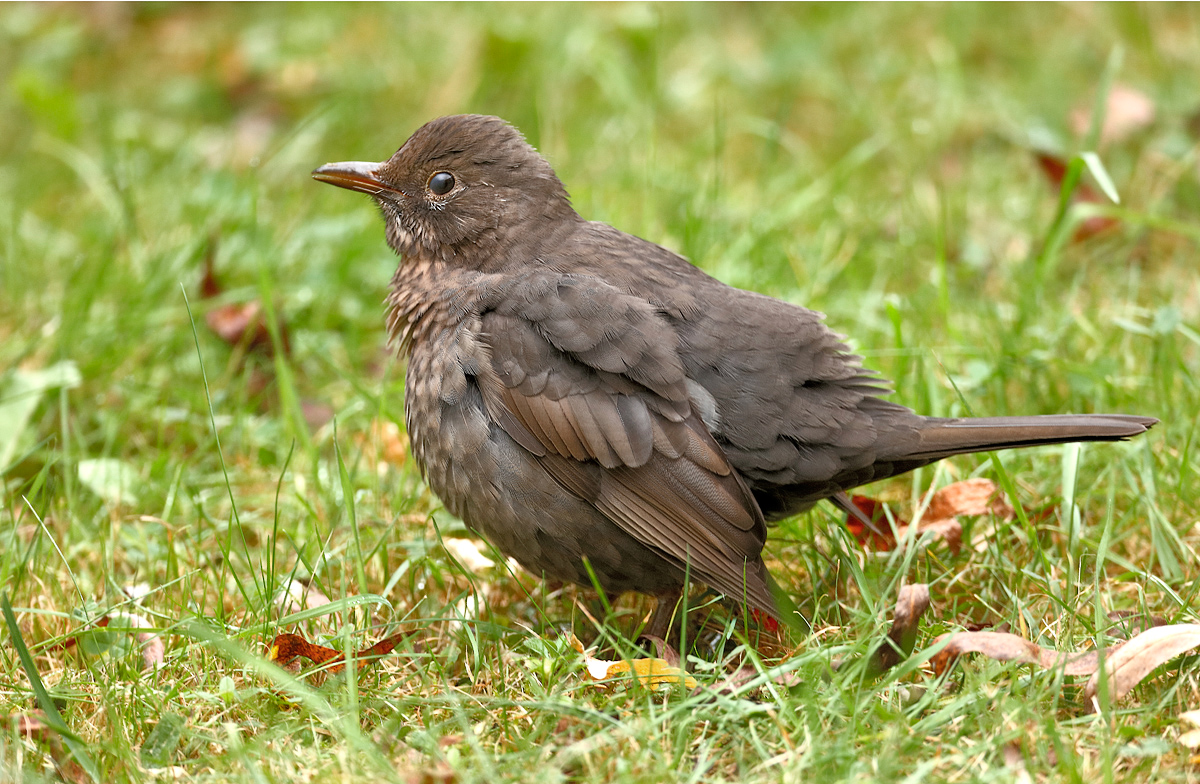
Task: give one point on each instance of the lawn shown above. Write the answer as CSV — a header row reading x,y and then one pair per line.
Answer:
x,y
201,423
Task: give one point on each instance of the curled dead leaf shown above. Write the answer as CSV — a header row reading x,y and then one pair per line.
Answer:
x,y
242,323
1003,646
236,323
970,497
911,604
1129,663
653,673
286,648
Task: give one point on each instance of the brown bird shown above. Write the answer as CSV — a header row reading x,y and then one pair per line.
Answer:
x,y
585,398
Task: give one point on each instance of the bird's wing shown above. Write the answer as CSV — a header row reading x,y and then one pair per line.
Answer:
x,y
588,379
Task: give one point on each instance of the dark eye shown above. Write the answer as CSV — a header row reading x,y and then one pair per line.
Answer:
x,y
441,183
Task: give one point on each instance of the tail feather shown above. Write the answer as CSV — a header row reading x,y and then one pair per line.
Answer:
x,y
938,438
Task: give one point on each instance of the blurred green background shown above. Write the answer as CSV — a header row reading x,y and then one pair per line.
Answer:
x,y
875,162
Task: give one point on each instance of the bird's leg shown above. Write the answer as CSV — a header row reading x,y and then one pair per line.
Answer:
x,y
659,624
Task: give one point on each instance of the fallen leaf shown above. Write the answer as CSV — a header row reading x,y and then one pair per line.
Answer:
x,y
1191,739
286,648
1003,646
1127,112
1055,170
237,323
946,530
114,623
971,497
768,623
469,553
911,604
33,726
241,323
1126,664
652,673
881,540
1129,663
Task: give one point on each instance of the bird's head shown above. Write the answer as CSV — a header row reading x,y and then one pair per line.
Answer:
x,y
461,187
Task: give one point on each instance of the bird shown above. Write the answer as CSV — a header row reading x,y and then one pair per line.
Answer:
x,y
605,412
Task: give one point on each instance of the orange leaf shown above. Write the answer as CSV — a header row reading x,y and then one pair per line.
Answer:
x,y
287,647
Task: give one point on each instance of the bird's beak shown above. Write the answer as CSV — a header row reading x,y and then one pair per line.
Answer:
x,y
356,176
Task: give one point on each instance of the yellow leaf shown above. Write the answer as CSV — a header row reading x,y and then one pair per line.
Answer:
x,y
651,673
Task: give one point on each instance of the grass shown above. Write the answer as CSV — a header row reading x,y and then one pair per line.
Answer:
x,y
874,163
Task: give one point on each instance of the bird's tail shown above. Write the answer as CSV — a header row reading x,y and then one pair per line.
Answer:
x,y
939,437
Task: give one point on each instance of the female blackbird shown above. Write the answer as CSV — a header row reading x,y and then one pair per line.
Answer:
x,y
580,395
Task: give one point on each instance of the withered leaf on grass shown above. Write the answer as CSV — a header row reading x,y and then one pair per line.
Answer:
x,y
469,553
1055,169
238,323
911,604
970,497
286,648
33,726
1126,664
1003,646
1129,663
99,643
653,673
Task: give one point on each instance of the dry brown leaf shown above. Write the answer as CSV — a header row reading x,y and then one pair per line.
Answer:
x,y
1055,170
652,673
286,648
1002,646
33,726
236,323
1127,112
970,497
1128,664
949,531
911,604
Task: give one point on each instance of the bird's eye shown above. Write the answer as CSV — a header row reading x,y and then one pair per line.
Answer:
x,y
441,183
